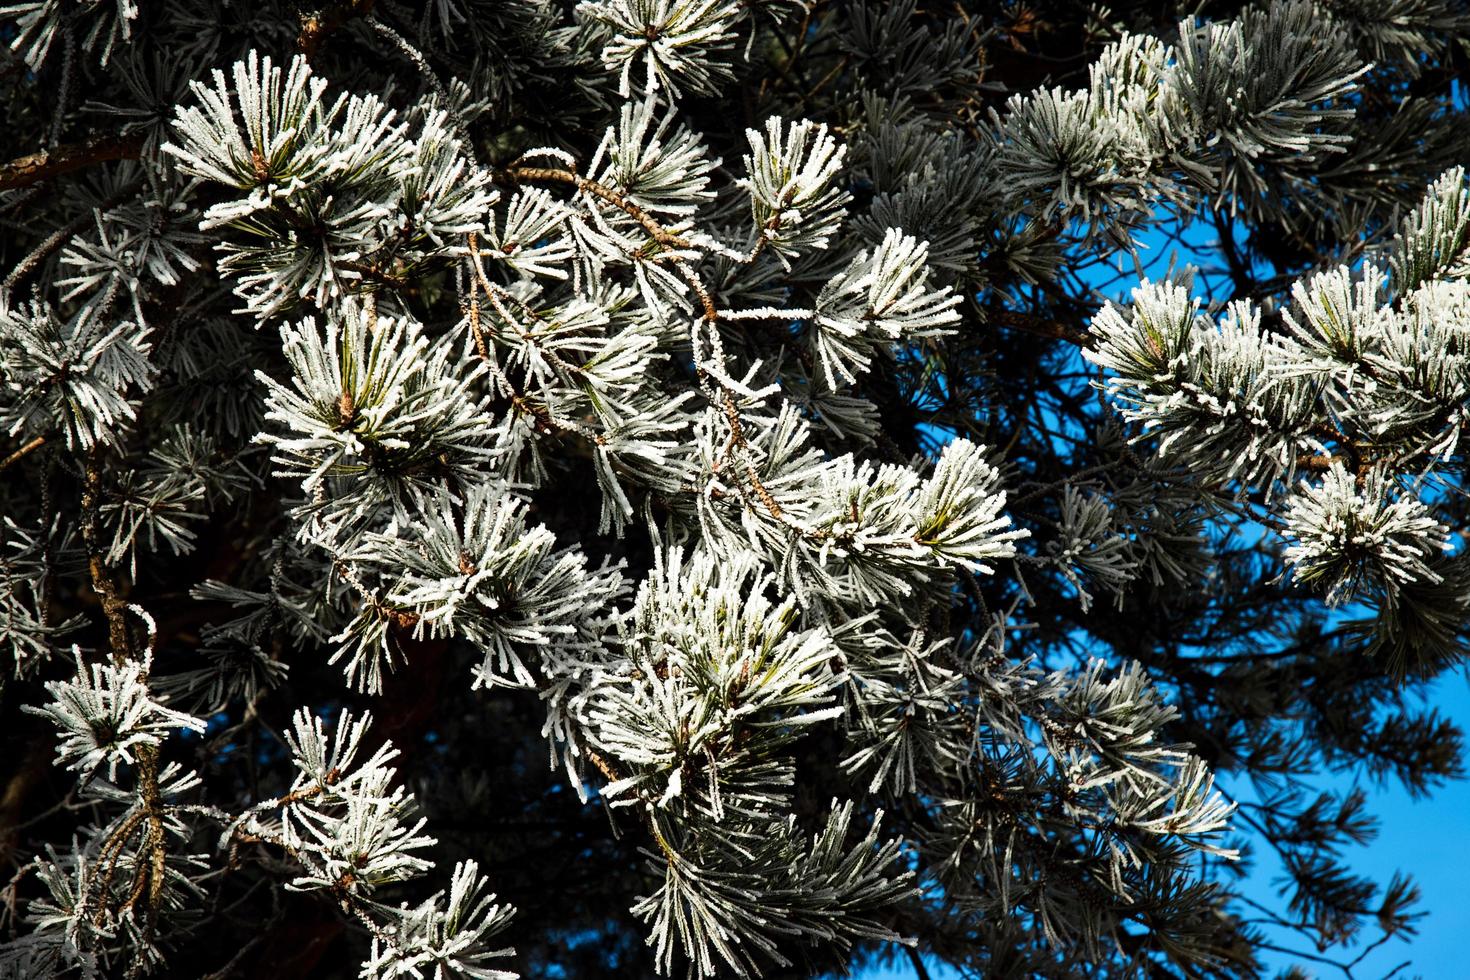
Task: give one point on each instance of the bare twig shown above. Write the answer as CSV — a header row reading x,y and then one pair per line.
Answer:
x,y
104,583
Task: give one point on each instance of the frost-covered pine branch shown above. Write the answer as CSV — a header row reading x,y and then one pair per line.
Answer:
x,y
727,477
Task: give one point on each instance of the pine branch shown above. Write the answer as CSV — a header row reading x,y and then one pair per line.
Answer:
x,y
150,877
804,453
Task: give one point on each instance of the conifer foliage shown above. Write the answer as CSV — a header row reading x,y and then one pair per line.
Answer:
x,y
501,488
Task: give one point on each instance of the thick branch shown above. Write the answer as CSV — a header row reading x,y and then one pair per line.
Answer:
x,y
921,972
35,167
314,29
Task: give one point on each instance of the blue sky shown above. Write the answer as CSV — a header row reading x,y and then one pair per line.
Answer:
x,y
1428,838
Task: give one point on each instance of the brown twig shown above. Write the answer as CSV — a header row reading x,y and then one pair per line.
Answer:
x,y
707,304
473,312
104,583
603,766
62,235
35,167
22,453
557,175
1040,326
30,774
380,276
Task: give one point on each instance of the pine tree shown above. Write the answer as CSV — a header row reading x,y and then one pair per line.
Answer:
x,y
713,488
